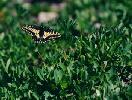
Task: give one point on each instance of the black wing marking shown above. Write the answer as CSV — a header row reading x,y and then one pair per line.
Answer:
x,y
52,36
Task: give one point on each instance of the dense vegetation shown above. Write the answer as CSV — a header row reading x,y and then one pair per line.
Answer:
x,y
91,60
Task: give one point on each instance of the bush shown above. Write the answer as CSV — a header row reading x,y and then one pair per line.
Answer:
x,y
85,63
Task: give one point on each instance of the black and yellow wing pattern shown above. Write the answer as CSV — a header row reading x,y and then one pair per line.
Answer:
x,y
40,34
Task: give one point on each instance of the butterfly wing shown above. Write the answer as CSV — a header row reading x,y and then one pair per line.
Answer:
x,y
51,35
31,30
40,34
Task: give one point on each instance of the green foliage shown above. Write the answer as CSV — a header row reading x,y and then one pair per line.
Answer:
x,y
85,63
104,12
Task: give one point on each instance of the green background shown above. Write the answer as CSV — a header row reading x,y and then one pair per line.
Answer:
x,y
91,61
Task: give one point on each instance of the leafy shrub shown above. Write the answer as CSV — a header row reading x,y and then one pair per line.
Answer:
x,y
80,65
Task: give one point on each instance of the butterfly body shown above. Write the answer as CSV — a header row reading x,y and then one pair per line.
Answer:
x,y
40,34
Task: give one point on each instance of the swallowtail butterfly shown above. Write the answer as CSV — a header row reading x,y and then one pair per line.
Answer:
x,y
40,34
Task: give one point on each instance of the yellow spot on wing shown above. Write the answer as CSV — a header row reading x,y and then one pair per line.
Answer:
x,y
34,31
46,34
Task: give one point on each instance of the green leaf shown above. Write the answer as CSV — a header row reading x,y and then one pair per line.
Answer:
x,y
47,94
58,74
7,65
129,90
35,95
39,74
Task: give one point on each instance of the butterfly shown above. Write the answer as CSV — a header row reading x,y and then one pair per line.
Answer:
x,y
40,34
